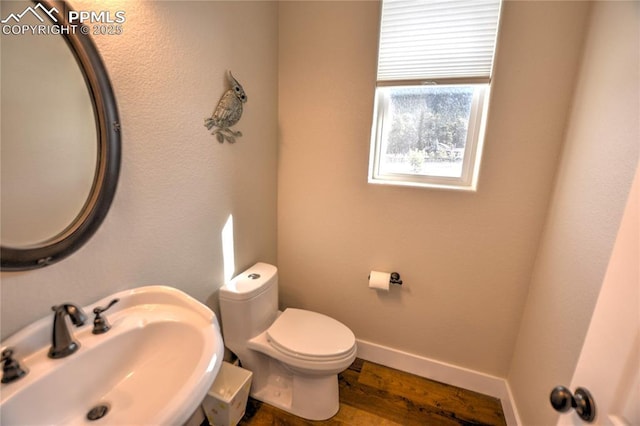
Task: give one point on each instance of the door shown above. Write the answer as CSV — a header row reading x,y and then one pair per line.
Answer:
x,y
609,364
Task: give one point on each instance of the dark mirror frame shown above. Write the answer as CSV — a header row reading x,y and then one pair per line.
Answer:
x,y
108,162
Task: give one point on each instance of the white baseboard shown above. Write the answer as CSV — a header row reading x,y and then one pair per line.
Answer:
x,y
442,372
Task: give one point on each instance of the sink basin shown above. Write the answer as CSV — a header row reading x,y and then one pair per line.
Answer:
x,y
154,366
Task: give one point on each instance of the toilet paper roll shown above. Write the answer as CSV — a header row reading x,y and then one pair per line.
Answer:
x,y
379,280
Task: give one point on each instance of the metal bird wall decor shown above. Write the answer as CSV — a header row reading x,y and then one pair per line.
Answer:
x,y
227,113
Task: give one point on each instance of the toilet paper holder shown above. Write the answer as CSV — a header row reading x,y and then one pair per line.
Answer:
x,y
395,279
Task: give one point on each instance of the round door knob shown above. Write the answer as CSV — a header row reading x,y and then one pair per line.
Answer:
x,y
563,400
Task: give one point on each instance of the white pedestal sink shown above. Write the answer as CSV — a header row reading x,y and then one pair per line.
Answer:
x,y
153,367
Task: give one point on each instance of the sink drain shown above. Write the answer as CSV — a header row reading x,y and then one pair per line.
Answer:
x,y
98,412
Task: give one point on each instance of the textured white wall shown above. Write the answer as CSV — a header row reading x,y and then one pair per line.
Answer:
x,y
598,162
178,185
465,258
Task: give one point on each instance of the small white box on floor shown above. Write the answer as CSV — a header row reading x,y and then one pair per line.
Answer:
x,y
226,401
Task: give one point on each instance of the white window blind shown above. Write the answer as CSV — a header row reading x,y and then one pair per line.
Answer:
x,y
437,39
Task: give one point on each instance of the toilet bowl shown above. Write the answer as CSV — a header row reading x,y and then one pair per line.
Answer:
x,y
295,355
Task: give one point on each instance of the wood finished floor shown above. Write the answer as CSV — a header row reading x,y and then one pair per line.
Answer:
x,y
371,394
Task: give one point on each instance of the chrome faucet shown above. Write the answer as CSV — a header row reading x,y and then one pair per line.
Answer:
x,y
62,343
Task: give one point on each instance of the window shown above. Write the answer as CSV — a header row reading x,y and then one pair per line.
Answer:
x,y
434,74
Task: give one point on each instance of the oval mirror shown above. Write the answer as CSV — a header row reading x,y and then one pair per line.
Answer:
x,y
60,136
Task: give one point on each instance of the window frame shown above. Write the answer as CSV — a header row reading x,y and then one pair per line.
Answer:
x,y
473,146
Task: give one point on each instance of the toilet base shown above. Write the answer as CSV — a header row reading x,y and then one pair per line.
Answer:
x,y
309,397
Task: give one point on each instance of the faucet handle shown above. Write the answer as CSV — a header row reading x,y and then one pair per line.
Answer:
x,y
11,370
100,324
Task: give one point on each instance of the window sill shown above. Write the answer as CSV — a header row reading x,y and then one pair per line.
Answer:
x,y
428,185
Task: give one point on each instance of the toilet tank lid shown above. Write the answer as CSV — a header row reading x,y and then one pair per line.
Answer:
x,y
250,283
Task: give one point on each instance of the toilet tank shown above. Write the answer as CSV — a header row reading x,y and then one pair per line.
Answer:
x,y
249,304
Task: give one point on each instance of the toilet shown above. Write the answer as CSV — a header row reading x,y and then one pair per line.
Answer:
x,y
295,356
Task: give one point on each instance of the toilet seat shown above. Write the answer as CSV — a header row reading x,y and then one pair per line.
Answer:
x,y
311,336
